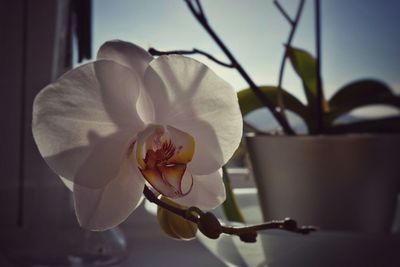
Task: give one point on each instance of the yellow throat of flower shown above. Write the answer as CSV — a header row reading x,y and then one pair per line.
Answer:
x,y
163,153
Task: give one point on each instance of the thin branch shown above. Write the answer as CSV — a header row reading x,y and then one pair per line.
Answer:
x,y
286,225
201,12
203,220
257,91
156,52
180,212
320,123
289,42
295,23
284,13
249,126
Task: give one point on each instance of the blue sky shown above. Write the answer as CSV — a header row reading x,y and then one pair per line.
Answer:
x,y
360,38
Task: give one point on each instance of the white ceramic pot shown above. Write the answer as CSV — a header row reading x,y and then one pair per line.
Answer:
x,y
276,248
339,183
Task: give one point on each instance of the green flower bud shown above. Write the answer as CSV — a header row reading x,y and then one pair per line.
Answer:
x,y
173,225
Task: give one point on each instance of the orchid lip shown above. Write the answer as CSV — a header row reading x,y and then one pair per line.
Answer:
x,y
163,153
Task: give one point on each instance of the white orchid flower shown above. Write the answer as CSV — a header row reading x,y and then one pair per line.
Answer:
x,y
109,126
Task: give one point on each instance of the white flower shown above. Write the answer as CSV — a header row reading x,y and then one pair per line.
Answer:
x,y
108,126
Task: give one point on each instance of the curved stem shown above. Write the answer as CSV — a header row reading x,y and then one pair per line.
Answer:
x,y
149,195
247,233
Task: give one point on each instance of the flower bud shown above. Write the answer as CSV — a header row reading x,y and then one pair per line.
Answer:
x,y
173,225
210,226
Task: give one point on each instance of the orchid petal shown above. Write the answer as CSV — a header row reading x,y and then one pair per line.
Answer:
x,y
103,208
67,183
208,191
194,99
135,58
126,54
84,122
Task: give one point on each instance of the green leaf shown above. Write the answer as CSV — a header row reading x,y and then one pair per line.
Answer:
x,y
385,125
249,102
230,206
361,93
305,66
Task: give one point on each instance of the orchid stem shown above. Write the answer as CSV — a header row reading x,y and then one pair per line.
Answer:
x,y
198,13
150,196
202,219
156,52
250,127
294,23
284,13
319,112
230,205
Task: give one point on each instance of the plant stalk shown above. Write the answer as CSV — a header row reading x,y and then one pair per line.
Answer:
x,y
199,15
246,233
319,95
294,23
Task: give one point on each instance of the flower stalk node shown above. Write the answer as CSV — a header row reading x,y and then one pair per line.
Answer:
x,y
193,212
289,223
209,225
250,237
